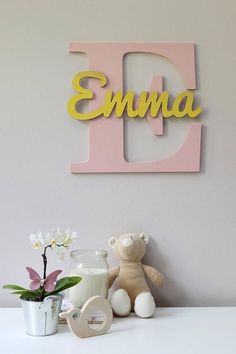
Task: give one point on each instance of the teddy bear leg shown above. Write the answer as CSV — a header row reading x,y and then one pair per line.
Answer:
x,y
121,303
144,305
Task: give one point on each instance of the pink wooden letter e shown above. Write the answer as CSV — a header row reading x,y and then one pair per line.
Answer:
x,y
106,145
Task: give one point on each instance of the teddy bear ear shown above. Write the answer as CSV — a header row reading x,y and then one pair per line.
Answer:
x,y
112,241
144,237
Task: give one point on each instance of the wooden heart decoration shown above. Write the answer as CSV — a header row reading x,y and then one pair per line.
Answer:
x,y
95,318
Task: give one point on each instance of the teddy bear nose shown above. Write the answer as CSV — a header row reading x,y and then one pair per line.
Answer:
x,y
127,242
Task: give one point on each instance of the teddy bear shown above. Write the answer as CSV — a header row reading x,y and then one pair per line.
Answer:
x,y
133,293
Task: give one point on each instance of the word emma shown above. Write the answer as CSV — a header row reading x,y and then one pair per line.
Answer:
x,y
119,103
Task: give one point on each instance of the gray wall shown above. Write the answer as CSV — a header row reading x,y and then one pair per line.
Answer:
x,y
190,217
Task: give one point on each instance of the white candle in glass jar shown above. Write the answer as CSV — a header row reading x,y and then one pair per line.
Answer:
x,y
94,282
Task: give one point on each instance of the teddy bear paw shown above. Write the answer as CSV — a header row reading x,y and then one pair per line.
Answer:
x,y
144,305
121,303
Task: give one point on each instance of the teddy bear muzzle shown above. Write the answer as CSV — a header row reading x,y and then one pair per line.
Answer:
x,y
127,242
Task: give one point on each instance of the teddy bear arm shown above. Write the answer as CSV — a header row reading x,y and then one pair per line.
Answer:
x,y
153,274
113,274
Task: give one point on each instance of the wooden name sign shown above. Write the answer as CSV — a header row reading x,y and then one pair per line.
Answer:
x,y
108,103
120,103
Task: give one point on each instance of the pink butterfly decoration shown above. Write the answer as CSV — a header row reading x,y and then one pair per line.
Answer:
x,y
49,283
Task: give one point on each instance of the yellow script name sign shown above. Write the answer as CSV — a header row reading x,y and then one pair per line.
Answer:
x,y
119,103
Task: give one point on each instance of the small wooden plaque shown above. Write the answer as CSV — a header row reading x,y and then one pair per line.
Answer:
x,y
95,318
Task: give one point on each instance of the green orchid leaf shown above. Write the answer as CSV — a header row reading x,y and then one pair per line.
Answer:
x,y
29,295
13,287
31,292
65,283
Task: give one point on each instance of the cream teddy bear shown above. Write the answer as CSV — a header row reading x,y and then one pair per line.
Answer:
x,y
130,277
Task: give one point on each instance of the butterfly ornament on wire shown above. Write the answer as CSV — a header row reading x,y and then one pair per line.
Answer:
x,y
37,282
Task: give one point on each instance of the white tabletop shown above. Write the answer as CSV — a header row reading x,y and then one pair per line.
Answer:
x,y
172,331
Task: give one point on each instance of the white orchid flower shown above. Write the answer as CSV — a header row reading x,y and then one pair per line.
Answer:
x,y
37,240
49,240
57,239
63,238
69,237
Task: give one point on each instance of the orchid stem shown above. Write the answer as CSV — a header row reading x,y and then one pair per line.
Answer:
x,y
45,261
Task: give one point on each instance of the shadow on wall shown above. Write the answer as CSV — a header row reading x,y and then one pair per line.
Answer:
x,y
169,293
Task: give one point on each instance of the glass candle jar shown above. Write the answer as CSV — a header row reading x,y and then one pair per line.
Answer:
x,y
92,267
